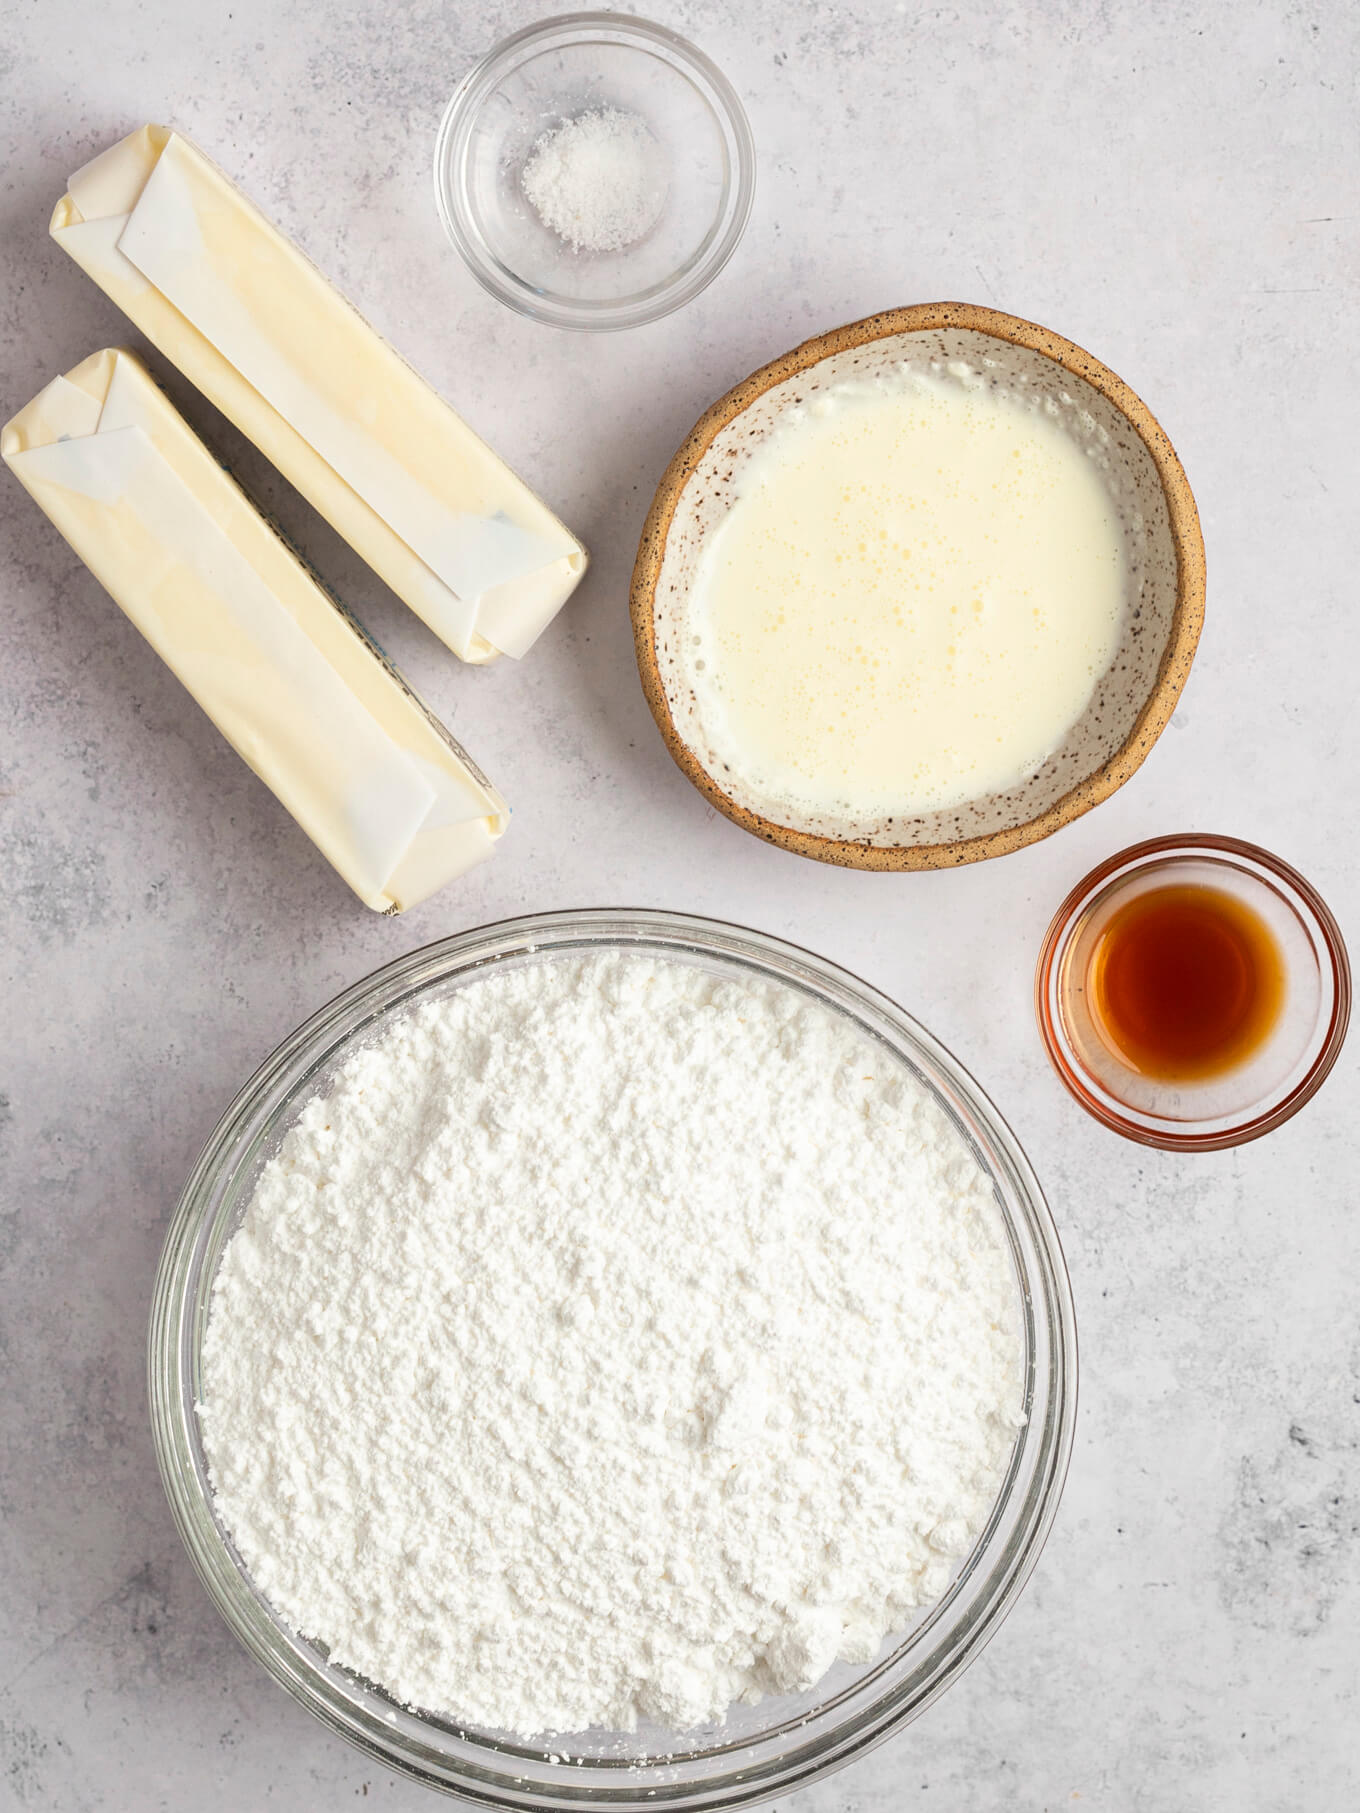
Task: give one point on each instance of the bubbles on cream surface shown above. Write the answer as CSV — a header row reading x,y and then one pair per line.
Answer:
x,y
912,599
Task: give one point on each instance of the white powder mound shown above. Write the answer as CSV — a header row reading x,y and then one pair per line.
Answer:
x,y
598,181
613,1342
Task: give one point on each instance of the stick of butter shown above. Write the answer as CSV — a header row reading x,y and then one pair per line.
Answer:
x,y
322,717
250,321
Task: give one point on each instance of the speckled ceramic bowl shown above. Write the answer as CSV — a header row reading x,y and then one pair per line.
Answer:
x,y
1131,704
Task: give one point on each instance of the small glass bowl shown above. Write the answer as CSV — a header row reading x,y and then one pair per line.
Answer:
x,y
1275,1081
758,1751
551,73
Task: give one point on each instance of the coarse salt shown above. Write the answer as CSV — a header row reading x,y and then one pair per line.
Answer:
x,y
598,181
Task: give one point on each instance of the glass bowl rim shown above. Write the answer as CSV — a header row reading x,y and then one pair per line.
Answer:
x,y
661,299
999,1569
1212,848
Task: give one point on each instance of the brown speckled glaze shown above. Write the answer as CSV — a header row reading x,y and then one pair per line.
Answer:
x,y
1133,701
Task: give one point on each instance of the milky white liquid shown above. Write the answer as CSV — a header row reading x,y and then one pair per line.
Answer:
x,y
910,602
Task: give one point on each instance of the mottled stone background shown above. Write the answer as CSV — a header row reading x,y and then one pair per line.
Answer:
x,y
1175,186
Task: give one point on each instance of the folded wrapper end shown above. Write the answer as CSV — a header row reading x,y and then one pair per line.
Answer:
x,y
256,327
292,682
112,182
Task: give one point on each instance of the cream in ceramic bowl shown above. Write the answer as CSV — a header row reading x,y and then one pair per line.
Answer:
x,y
1159,614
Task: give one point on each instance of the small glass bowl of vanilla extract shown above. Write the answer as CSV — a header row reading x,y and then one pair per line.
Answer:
x,y
1193,992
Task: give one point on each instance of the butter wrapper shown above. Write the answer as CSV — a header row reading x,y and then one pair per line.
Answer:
x,y
316,710
252,322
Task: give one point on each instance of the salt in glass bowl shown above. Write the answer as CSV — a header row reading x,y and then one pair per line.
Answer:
x,y
781,1743
554,72
1241,1103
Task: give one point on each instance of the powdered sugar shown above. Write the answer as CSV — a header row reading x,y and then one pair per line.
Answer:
x,y
598,180
612,1342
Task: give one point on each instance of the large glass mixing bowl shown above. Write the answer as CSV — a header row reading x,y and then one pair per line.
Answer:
x,y
758,1751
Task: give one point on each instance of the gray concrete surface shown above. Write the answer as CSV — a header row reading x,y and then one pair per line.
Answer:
x,y
1175,186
